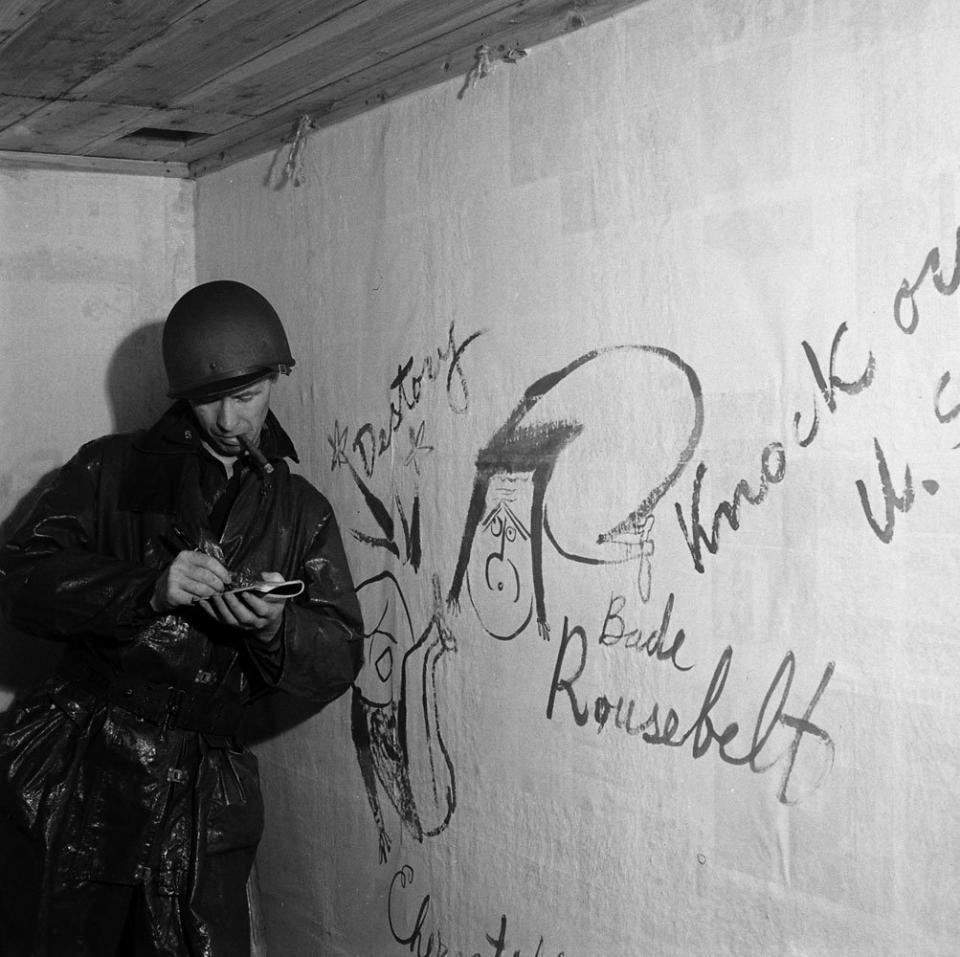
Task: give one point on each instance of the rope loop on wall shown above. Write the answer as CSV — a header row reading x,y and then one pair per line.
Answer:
x,y
484,64
483,67
294,165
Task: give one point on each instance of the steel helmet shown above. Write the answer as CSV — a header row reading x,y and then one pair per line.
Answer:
x,y
220,336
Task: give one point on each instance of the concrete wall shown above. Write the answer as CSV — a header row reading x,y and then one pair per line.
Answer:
x,y
739,737
89,265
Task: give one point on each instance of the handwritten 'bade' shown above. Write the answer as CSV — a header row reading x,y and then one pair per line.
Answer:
x,y
406,390
423,946
664,729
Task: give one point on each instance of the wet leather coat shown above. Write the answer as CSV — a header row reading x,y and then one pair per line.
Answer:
x,y
101,773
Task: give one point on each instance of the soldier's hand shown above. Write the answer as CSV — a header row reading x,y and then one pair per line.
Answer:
x,y
261,615
191,577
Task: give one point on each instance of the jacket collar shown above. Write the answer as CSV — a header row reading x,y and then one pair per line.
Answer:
x,y
177,432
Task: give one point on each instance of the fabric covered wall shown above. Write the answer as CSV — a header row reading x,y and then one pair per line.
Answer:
x,y
89,265
630,373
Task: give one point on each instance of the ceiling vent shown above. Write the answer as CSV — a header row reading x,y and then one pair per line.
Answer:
x,y
156,135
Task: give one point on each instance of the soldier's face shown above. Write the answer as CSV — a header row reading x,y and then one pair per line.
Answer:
x,y
241,413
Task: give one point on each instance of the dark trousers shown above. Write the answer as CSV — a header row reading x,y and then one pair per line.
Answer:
x,y
98,919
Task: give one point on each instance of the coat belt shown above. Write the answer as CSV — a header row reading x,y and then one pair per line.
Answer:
x,y
212,711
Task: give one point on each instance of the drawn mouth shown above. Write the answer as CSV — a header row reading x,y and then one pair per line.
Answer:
x,y
498,602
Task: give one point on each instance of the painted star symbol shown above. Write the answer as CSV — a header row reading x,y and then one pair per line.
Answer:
x,y
338,442
417,447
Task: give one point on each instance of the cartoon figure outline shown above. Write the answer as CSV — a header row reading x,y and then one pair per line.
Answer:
x,y
523,446
398,738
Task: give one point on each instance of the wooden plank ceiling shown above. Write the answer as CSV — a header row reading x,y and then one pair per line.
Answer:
x,y
184,87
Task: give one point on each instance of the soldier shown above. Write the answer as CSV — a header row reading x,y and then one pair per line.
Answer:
x,y
130,811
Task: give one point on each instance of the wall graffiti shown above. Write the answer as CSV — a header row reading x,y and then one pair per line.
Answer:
x,y
773,458
527,493
395,716
406,391
425,939
520,498
519,487
663,726
903,501
894,499
521,495
577,474
361,455
932,268
411,551
656,726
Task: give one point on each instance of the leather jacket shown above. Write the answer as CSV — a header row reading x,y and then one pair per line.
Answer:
x,y
127,766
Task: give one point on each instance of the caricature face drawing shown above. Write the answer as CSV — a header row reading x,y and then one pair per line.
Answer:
x,y
396,719
500,575
389,636
580,464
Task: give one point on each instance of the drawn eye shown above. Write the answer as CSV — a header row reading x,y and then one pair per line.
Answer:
x,y
384,665
511,533
496,527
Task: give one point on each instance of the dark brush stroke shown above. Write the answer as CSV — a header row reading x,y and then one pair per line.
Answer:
x,y
411,532
377,508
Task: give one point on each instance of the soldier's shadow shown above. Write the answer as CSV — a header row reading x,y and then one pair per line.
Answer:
x,y
135,392
274,714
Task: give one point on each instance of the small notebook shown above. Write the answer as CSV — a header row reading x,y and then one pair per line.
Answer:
x,y
286,589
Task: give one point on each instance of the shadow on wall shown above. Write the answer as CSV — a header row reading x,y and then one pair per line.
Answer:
x,y
136,383
274,714
136,393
